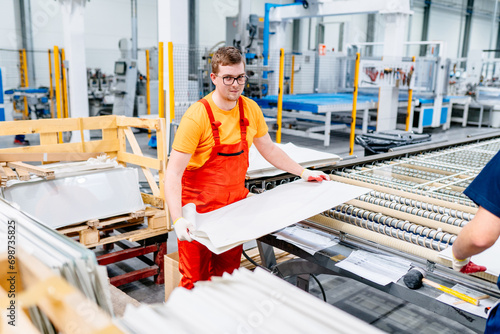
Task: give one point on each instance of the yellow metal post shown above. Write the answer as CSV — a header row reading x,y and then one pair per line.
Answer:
x,y
293,72
171,80
26,83
280,94
51,92
57,69
354,105
64,85
161,93
148,92
410,98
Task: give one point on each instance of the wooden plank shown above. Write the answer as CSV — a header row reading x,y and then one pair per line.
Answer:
x,y
99,122
38,126
130,236
43,172
137,151
53,156
136,122
48,138
139,160
89,236
92,146
11,175
153,200
23,174
3,175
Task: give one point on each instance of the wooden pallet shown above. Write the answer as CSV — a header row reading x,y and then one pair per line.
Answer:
x,y
150,222
116,134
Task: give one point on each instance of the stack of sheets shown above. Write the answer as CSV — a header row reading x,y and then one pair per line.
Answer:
x,y
70,259
244,302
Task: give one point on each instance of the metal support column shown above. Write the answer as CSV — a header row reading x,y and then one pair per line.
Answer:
x,y
134,28
23,14
370,34
467,28
425,26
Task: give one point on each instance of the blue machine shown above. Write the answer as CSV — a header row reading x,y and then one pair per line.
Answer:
x,y
38,100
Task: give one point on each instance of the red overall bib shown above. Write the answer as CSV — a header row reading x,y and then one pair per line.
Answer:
x,y
219,182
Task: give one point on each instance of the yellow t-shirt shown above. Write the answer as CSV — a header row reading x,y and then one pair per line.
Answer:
x,y
194,135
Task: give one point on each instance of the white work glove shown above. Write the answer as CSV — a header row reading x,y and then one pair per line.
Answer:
x,y
466,266
314,175
182,227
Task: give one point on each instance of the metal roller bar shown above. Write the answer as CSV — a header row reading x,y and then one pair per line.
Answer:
x,y
424,206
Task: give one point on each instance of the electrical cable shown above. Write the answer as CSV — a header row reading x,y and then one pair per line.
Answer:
x,y
253,262
320,286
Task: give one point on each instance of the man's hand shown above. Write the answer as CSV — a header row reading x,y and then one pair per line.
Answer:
x,y
182,227
314,175
466,266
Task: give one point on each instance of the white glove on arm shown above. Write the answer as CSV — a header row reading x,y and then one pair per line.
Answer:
x,y
182,227
314,175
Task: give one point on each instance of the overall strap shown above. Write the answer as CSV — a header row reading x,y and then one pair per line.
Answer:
x,y
243,121
215,124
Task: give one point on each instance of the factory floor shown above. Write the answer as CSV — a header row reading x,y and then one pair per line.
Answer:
x,y
384,311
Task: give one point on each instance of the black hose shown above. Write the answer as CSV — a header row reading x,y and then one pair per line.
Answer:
x,y
320,286
252,261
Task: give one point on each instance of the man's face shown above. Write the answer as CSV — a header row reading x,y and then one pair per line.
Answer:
x,y
234,90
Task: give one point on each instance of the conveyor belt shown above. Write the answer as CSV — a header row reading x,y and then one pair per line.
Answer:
x,y
415,210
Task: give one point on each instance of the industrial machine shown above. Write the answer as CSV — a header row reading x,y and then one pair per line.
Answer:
x,y
99,89
414,211
125,85
38,102
123,92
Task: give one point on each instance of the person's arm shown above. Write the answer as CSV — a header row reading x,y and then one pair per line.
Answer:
x,y
279,159
177,164
478,235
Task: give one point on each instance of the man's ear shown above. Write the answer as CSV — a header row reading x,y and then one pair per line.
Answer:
x,y
213,77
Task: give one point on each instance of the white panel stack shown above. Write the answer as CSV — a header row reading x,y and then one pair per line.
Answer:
x,y
244,302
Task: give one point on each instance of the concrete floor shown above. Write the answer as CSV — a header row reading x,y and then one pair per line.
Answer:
x,y
384,311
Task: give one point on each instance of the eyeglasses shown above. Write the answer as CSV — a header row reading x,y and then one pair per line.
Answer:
x,y
228,81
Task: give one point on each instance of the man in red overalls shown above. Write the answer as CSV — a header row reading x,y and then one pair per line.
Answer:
x,y
209,160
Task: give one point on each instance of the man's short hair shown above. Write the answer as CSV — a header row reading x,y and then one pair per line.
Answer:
x,y
224,56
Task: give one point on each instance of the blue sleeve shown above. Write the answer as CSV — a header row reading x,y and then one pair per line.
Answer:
x,y
485,189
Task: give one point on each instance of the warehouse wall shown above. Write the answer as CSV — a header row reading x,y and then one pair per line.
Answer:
x,y
102,33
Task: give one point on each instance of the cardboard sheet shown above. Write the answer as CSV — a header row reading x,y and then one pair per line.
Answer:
x,y
488,258
265,213
259,167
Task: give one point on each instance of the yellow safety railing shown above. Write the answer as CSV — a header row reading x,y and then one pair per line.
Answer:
x,y
24,81
64,85
171,80
51,93
280,94
57,68
161,93
410,98
354,105
292,75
